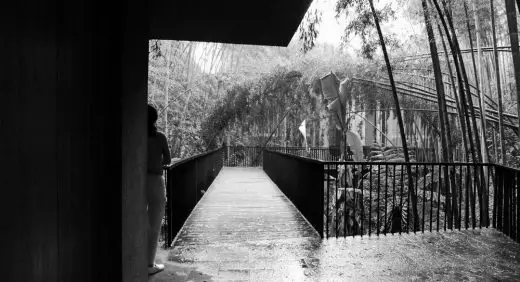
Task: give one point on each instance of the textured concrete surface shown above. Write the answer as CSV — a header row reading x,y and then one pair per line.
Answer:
x,y
244,229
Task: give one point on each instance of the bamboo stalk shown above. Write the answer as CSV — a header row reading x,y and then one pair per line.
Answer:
x,y
501,160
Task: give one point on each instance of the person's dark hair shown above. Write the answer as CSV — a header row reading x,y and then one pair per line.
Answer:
x,y
152,118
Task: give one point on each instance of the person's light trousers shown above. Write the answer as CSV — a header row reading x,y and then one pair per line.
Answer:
x,y
156,202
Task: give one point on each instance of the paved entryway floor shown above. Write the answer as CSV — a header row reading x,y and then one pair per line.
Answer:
x,y
244,229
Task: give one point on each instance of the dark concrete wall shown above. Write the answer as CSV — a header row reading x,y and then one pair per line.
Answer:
x,y
134,141
72,109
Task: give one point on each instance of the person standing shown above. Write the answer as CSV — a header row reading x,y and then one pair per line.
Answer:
x,y
158,157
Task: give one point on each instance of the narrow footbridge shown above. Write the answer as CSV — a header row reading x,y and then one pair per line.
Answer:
x,y
307,219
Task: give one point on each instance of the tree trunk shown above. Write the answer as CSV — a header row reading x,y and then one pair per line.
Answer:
x,y
482,193
444,124
515,51
499,87
411,189
477,68
457,100
473,125
461,84
463,79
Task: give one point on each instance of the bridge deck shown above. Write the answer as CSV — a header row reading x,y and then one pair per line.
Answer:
x,y
245,229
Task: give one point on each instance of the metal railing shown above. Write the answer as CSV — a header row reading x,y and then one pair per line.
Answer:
x,y
242,156
421,154
317,153
186,182
506,207
248,156
366,199
297,178
389,197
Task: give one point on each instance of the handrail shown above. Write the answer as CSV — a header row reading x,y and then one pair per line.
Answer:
x,y
296,157
406,163
191,158
369,198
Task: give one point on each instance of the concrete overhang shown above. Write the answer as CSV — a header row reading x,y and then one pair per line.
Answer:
x,y
270,22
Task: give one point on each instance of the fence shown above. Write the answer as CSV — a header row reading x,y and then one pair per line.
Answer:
x,y
362,198
297,178
185,183
365,199
242,156
421,154
252,156
506,208
375,198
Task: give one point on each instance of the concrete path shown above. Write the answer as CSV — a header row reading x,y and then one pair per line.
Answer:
x,y
244,229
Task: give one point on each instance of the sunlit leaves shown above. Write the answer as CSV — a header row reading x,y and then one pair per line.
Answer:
x,y
308,29
361,24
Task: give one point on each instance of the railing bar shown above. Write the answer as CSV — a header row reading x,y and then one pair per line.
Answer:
x,y
481,195
401,198
416,187
354,196
489,188
502,200
453,193
474,198
438,197
446,201
499,199
460,197
386,199
485,182
370,205
362,201
393,195
378,197
327,211
431,198
506,202
336,207
495,184
345,210
517,191
424,201
517,206
408,203
466,199
508,206
511,204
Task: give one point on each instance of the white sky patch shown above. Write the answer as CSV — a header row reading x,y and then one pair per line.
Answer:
x,y
331,29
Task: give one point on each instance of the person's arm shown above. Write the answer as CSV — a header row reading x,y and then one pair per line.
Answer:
x,y
167,159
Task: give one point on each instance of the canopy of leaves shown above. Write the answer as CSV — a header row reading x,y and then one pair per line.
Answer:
x,y
361,24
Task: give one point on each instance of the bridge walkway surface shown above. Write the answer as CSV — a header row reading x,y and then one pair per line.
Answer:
x,y
245,229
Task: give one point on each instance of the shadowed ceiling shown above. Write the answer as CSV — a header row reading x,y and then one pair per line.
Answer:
x,y
271,22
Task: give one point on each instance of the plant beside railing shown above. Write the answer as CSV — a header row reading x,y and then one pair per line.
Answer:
x,y
351,185
374,198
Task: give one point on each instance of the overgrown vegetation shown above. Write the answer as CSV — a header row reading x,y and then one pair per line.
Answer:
x,y
207,91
